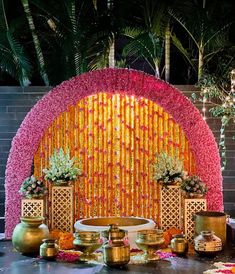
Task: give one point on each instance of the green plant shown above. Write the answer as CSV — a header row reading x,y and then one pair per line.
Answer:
x,y
13,58
167,169
193,185
146,40
219,99
32,188
209,36
62,168
36,42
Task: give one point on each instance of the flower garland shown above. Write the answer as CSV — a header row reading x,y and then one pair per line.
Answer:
x,y
122,81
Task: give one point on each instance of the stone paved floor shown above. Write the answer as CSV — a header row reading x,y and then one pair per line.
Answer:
x,y
12,262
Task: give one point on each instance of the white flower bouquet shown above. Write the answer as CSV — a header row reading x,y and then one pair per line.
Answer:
x,y
62,169
168,169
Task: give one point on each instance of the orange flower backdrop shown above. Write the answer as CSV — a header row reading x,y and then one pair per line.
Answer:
x,y
116,137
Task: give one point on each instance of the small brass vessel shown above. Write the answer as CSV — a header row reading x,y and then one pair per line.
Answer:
x,y
116,249
87,242
150,241
212,221
179,245
49,249
207,244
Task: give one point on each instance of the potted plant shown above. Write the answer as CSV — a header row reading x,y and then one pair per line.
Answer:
x,y
62,169
193,187
168,170
32,188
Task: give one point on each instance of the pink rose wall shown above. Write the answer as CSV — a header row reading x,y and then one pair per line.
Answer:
x,y
121,81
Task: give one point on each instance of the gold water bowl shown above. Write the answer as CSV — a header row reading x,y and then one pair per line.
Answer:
x,y
130,224
87,242
150,241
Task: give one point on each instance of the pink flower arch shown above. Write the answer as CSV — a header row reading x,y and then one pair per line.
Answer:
x,y
122,81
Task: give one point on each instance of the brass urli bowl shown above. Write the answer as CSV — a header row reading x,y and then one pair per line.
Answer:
x,y
87,242
150,241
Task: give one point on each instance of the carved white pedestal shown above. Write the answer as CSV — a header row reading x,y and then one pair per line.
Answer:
x,y
32,208
191,206
170,207
62,208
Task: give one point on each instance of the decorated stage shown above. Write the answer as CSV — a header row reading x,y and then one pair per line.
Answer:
x,y
115,121
125,161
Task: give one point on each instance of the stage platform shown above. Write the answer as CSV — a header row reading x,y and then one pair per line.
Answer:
x,y
13,262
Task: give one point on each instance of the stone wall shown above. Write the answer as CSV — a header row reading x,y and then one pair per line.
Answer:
x,y
16,102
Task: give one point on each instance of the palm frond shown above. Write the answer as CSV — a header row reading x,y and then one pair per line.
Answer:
x,y
147,46
184,25
13,59
180,47
216,34
132,32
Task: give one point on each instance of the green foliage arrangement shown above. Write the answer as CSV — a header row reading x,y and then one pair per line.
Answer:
x,y
167,169
32,188
193,186
62,168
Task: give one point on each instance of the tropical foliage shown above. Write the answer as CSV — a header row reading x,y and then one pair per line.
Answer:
x,y
46,42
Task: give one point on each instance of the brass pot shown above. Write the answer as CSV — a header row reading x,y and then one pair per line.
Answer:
x,y
116,250
49,249
179,244
28,235
87,242
212,221
207,244
150,241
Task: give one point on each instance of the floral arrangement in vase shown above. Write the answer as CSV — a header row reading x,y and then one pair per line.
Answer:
x,y
168,170
62,169
32,188
193,187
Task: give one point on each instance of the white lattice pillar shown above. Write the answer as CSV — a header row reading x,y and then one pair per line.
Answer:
x,y
191,206
62,208
170,207
32,208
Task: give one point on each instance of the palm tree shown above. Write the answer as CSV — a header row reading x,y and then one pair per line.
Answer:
x,y
66,36
13,59
145,40
151,36
36,42
167,52
111,18
204,32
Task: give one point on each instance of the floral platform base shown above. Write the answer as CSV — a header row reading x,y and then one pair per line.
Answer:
x,y
73,256
226,268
